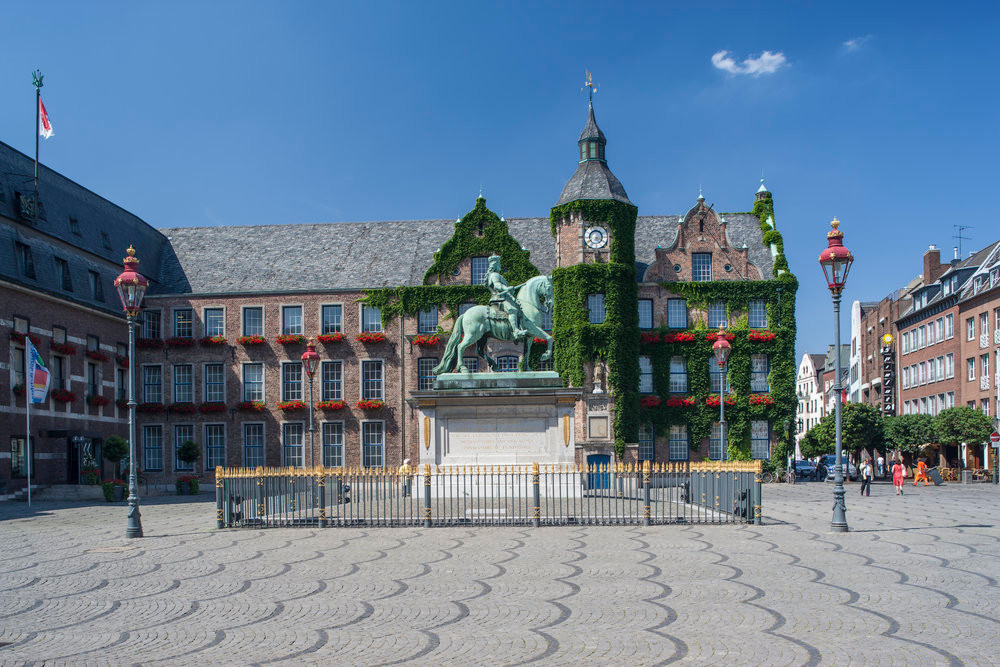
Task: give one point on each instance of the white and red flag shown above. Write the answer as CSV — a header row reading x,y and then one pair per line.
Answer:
x,y
44,126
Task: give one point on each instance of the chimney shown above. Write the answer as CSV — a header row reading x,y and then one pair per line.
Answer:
x,y
956,253
933,268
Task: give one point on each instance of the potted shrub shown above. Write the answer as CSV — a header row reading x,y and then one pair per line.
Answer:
x,y
91,474
115,450
186,485
189,452
113,490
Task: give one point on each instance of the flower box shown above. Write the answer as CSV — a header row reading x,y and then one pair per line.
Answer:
x,y
180,341
330,337
19,337
650,401
251,340
682,337
252,406
148,343
713,401
371,404
122,403
428,341
113,490
150,407
212,341
539,341
291,339
649,337
186,485
18,390
97,356
211,406
761,399
97,400
760,336
121,360
182,408
370,337
290,406
331,405
63,395
63,348
713,336
680,401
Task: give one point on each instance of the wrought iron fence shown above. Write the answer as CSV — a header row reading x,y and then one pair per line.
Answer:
x,y
715,492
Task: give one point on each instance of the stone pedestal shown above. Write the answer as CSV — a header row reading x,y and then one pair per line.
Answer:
x,y
496,419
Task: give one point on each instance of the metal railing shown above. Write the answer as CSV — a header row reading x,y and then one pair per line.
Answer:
x,y
647,494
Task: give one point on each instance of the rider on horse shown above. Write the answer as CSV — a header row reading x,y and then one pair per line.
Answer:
x,y
502,297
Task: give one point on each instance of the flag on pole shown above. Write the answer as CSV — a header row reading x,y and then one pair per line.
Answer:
x,y
38,374
44,126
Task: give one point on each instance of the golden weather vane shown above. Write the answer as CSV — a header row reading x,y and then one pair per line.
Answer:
x,y
590,84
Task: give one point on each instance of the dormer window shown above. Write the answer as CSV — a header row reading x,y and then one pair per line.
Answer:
x,y
593,149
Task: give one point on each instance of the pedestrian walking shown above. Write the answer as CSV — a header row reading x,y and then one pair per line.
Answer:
x,y
406,477
880,465
897,477
866,477
921,473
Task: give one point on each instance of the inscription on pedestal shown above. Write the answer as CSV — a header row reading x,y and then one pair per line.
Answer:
x,y
496,437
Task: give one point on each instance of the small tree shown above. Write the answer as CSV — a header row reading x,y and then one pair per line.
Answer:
x,y
860,426
962,424
189,451
115,449
814,443
908,433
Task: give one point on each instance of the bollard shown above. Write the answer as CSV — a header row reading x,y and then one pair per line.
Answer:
x,y
321,483
536,495
218,498
757,519
645,493
427,495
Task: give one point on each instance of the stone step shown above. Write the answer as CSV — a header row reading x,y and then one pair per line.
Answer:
x,y
69,492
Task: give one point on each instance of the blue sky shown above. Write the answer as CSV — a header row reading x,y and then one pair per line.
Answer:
x,y
882,114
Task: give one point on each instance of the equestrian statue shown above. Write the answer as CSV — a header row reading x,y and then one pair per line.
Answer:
x,y
514,314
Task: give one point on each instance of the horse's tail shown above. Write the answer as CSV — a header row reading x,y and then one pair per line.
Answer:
x,y
448,358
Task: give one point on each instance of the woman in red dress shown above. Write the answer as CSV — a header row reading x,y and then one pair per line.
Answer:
x,y
897,477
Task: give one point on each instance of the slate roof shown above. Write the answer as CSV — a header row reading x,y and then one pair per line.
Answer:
x,y
591,130
593,180
355,255
52,235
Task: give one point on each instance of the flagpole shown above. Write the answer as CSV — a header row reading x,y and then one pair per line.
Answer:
x,y
27,412
37,77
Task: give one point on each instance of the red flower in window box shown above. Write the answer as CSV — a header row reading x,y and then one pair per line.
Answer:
x,y
291,339
211,406
290,406
19,337
97,400
713,336
251,340
761,399
252,406
331,337
97,355
180,341
121,360
650,401
182,408
148,343
371,404
714,400
122,403
760,336
63,395
429,341
151,408
539,341
680,401
211,341
371,337
331,405
18,390
681,337
649,337
63,348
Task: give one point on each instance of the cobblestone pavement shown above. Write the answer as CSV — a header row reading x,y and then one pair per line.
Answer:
x,y
915,582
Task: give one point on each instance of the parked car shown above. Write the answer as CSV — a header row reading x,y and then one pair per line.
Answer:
x,y
828,462
805,470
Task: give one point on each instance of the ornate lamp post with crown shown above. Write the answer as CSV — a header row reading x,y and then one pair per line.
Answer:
x,y
836,262
720,348
310,361
131,286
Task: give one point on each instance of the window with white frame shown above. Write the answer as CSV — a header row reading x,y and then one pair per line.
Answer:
x,y
949,326
291,320
183,384
678,375
152,384
984,363
253,445
678,443
332,317
645,375
215,322
906,377
150,324
215,446
595,308
930,370
984,323
59,378
986,406
291,444
923,372
759,368
939,329
372,380
182,433
472,363
646,440
757,314
372,444
716,450
715,374
291,381
940,374
677,313
253,382
970,366
904,344
183,323
717,315
970,329
480,267
921,337
152,447
507,363
645,313
425,372
949,365
760,439
371,319
701,266
253,321
215,383
333,444
332,381
950,399
427,321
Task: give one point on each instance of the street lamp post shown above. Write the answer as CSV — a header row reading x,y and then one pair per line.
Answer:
x,y
131,286
721,349
836,262
310,360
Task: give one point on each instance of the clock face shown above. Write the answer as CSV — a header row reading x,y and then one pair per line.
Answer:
x,y
596,237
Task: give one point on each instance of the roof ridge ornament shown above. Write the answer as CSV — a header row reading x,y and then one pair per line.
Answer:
x,y
590,85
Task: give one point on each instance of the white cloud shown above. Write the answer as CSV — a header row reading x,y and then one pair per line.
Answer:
x,y
856,43
766,63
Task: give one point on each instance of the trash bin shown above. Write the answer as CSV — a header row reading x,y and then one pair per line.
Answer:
x,y
935,476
